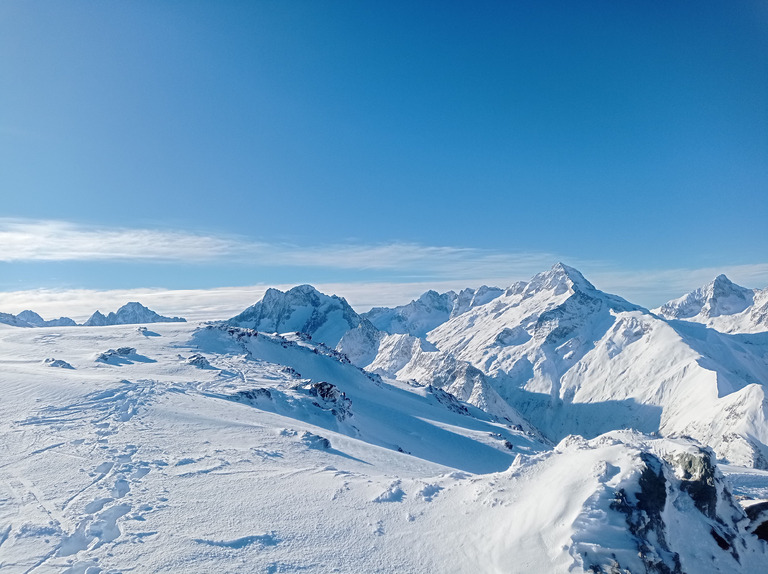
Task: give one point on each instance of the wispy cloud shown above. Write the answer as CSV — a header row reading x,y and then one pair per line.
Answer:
x,y
24,240
407,269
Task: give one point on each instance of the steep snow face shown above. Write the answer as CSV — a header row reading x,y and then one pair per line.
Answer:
x,y
409,358
129,314
677,379
470,298
422,315
722,305
302,309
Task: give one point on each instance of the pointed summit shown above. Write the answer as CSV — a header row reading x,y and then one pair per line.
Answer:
x,y
37,321
304,309
721,296
560,279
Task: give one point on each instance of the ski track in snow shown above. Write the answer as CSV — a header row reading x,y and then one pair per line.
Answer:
x,y
96,420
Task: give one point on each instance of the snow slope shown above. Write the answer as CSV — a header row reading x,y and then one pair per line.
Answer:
x,y
202,448
722,305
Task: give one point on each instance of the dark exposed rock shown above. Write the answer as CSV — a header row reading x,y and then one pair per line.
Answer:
x,y
332,399
448,400
698,480
198,360
252,395
758,518
644,518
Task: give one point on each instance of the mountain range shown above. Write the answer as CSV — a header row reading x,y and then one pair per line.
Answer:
x,y
546,427
564,356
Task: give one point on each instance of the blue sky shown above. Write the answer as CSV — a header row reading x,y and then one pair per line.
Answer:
x,y
199,145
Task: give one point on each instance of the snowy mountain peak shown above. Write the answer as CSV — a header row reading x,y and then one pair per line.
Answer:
x,y
32,318
718,297
560,279
134,312
304,309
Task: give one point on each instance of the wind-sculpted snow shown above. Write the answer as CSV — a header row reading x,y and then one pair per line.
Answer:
x,y
202,449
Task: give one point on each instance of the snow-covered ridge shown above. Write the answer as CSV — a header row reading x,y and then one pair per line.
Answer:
x,y
430,310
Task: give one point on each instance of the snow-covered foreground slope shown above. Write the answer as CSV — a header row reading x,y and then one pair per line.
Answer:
x,y
193,448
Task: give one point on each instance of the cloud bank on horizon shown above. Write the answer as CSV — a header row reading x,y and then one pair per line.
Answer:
x,y
402,270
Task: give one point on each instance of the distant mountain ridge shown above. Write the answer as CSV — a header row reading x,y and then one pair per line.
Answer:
x,y
422,315
32,319
128,314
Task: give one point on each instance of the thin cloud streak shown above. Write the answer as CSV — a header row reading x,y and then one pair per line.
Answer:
x,y
23,240
412,269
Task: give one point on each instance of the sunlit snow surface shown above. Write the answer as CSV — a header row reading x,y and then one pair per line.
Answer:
x,y
190,448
